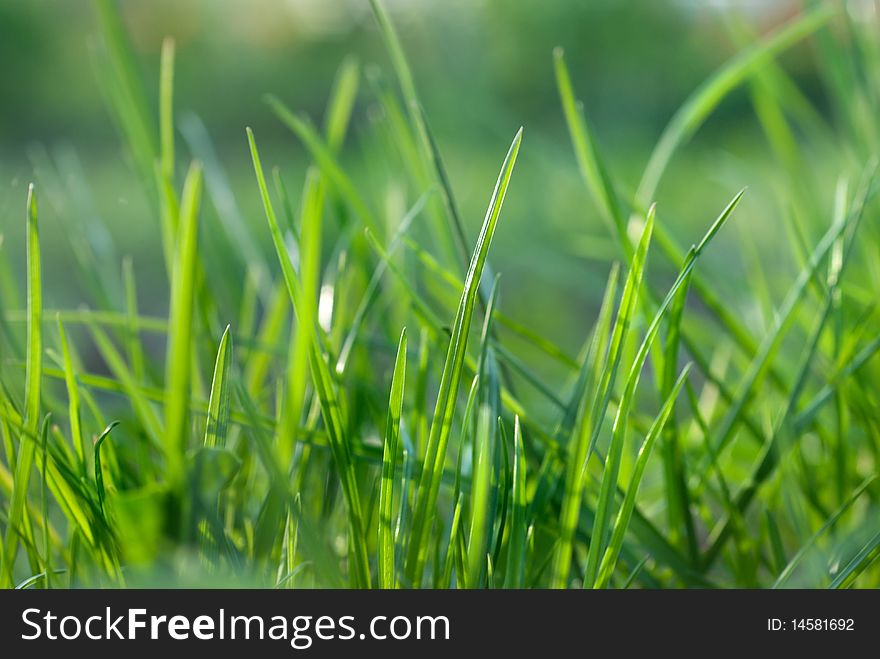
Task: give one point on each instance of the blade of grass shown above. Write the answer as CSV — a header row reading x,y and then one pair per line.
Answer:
x,y
517,545
179,356
219,409
480,496
99,471
387,572
577,423
17,519
435,454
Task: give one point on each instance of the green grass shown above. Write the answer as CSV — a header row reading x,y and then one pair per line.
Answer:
x,y
359,406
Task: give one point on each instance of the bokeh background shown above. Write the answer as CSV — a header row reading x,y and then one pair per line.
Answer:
x,y
483,68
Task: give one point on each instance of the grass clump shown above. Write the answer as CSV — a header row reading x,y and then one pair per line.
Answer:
x,y
336,418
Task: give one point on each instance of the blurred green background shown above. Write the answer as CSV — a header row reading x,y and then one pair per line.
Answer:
x,y
483,67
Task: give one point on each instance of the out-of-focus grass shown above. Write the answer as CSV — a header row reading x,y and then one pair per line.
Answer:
x,y
354,391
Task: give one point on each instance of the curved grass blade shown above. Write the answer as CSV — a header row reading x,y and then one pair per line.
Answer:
x,y
618,431
99,471
691,115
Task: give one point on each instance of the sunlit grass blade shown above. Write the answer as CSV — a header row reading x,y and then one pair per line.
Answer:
x,y
435,455
179,356
681,523
217,424
386,559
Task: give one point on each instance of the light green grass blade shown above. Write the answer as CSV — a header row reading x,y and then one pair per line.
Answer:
x,y
387,572
435,455
118,73
179,355
612,553
304,331
17,520
424,160
217,425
